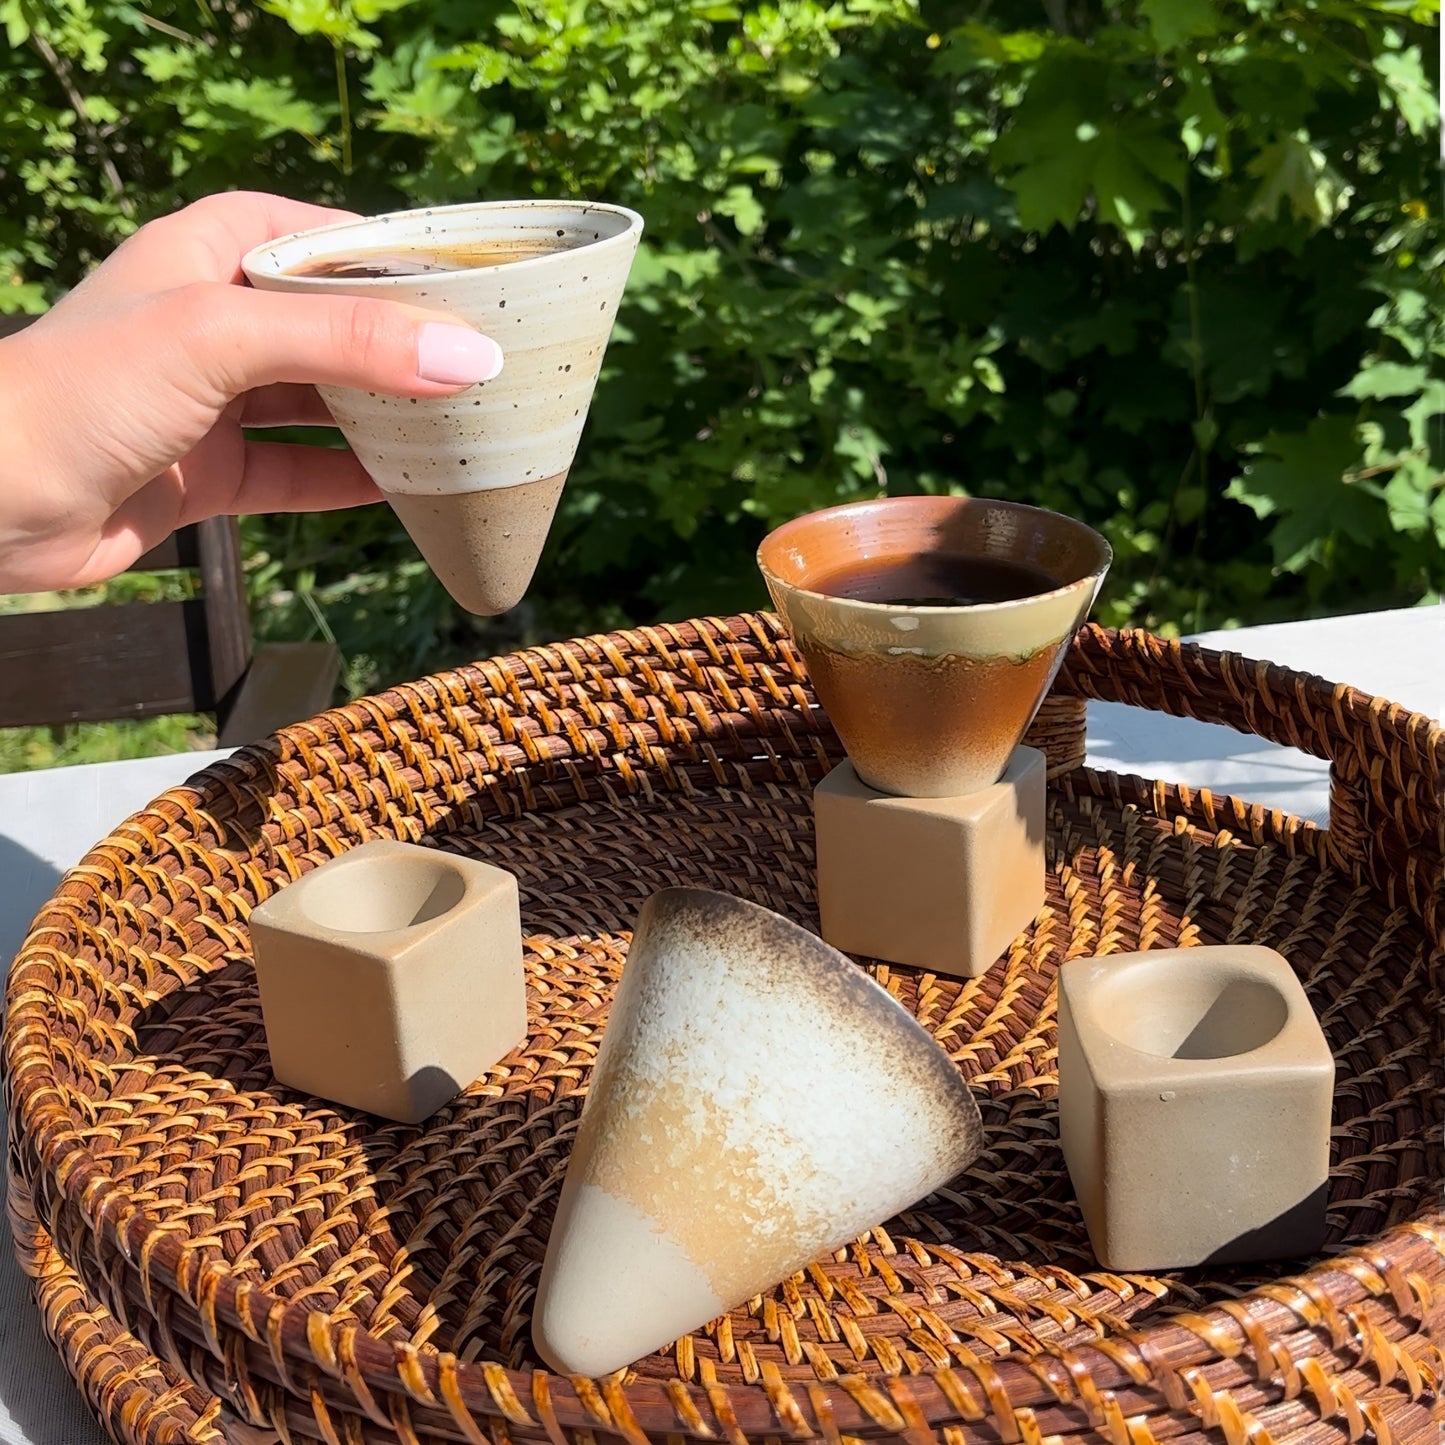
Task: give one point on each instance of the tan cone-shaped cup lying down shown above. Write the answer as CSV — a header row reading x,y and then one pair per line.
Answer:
x,y
758,1101
931,700
475,478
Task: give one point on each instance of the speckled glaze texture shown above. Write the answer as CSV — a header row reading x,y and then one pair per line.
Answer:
x,y
1195,1097
930,701
758,1101
551,313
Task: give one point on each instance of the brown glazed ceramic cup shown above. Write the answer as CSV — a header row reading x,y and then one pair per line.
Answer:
x,y
930,701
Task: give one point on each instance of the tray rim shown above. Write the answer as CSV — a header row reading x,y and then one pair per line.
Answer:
x,y
937,1397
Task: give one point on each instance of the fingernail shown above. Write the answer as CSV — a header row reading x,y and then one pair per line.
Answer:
x,y
456,355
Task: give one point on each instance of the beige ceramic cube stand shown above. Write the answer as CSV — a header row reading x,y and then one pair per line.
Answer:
x,y
391,977
943,884
1195,1090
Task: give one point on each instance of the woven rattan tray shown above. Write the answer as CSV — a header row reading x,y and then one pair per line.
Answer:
x,y
216,1257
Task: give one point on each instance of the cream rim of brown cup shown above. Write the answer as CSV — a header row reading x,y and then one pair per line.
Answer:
x,y
943,505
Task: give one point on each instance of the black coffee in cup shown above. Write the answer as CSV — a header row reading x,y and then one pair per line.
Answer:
x,y
935,579
370,265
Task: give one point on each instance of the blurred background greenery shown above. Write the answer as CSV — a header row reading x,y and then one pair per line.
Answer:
x,y
1173,266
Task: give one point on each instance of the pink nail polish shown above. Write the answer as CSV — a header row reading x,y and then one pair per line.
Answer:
x,y
456,355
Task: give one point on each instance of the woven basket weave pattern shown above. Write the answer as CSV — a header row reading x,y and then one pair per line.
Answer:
x,y
217,1257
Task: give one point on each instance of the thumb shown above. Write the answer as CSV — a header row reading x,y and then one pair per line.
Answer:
x,y
240,339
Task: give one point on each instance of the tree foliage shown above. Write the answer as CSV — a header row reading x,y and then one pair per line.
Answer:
x,y
1170,265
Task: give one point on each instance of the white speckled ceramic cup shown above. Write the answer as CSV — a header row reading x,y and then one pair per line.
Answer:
x,y
758,1101
475,477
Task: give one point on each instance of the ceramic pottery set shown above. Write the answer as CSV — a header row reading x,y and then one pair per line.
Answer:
x,y
758,1100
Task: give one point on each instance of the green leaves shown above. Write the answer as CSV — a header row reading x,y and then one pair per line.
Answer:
x,y
1406,83
17,26
1203,126
1129,166
976,45
1067,143
1298,482
338,20
271,107
1387,379
1414,499
1293,172
1176,21
743,206
1115,269
1062,158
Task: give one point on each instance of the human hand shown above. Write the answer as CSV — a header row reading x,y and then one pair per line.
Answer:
x,y
122,408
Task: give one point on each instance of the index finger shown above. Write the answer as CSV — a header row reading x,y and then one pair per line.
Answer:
x,y
206,240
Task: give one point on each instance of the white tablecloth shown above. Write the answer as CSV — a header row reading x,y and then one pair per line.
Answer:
x,y
1399,656
49,819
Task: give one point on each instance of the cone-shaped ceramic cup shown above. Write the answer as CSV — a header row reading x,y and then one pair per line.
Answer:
x,y
757,1102
475,478
931,695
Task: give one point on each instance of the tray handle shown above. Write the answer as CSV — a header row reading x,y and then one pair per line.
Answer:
x,y
1387,764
